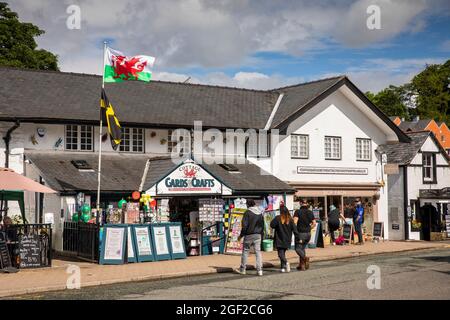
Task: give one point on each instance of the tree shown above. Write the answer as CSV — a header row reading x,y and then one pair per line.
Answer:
x,y
17,44
432,86
390,101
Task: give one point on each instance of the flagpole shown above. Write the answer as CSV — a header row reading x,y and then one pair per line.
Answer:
x,y
100,141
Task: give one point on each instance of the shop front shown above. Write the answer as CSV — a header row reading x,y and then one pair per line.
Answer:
x,y
205,198
323,197
431,215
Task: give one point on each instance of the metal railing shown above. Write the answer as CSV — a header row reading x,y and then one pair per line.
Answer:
x,y
82,240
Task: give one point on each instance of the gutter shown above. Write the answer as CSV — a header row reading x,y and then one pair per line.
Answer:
x,y
7,139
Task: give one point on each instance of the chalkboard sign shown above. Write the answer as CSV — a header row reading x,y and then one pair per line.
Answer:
x,y
347,232
378,229
5,259
30,251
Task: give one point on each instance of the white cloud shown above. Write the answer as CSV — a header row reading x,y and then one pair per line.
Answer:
x,y
377,74
211,34
215,33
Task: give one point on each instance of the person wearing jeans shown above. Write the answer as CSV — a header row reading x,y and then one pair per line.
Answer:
x,y
358,220
304,219
252,230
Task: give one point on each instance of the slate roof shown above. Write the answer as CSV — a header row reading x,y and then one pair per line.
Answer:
x,y
123,173
414,125
296,97
49,95
403,153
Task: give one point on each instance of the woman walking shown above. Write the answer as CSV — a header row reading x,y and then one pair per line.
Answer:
x,y
284,228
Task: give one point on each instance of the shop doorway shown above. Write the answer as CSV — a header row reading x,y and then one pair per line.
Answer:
x,y
430,220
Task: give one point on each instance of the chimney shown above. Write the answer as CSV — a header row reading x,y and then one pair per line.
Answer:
x,y
403,119
416,119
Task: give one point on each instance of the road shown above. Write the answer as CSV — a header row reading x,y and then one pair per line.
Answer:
x,y
409,275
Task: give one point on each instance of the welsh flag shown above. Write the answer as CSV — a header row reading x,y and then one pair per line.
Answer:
x,y
119,67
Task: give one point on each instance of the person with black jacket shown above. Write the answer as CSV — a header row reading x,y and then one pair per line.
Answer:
x,y
284,227
304,219
252,231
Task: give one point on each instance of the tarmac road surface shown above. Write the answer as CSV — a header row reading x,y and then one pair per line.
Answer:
x,y
410,275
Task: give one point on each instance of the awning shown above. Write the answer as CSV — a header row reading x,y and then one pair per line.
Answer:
x,y
12,181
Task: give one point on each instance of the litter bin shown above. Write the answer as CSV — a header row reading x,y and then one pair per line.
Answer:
x,y
267,245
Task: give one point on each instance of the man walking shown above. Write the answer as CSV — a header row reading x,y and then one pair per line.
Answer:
x,y
358,220
252,230
304,219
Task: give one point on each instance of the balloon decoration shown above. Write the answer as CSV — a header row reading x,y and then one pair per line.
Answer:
x,y
121,203
85,217
86,209
75,217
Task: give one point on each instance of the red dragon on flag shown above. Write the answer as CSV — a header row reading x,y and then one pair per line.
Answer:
x,y
119,67
127,67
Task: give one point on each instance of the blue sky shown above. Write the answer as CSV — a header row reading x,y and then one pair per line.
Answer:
x,y
253,44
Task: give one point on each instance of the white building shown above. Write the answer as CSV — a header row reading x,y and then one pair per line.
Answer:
x,y
419,188
326,148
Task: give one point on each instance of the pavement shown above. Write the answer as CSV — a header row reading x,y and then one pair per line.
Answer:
x,y
29,281
420,274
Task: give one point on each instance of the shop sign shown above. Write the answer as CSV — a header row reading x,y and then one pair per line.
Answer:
x,y
391,168
189,178
330,170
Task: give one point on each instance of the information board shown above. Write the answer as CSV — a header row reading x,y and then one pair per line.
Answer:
x,y
316,236
131,247
233,245
160,241
177,248
114,240
29,251
144,246
378,229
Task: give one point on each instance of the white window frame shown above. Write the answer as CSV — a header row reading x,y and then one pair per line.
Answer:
x,y
131,142
299,146
363,149
335,153
429,166
79,137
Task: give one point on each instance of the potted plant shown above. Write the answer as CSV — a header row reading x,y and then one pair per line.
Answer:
x,y
416,226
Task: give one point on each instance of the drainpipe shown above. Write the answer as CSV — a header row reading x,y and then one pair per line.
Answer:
x,y
405,201
7,139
